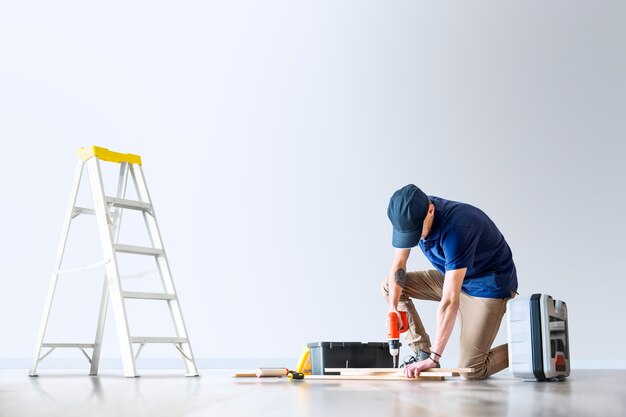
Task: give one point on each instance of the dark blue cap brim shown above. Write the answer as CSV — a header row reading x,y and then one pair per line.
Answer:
x,y
406,240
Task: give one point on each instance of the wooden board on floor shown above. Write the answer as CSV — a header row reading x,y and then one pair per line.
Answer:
x,y
371,378
396,373
445,372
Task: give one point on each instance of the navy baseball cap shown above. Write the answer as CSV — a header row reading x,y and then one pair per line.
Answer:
x,y
407,210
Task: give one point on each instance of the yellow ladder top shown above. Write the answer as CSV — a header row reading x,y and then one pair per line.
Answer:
x,y
107,155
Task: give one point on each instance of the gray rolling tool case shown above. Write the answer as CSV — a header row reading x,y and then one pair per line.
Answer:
x,y
538,338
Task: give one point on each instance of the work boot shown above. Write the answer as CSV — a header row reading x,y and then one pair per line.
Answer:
x,y
420,355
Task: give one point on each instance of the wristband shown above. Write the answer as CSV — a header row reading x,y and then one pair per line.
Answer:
x,y
436,362
435,353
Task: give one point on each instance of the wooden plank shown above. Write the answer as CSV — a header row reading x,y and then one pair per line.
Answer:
x,y
392,374
371,378
345,372
457,370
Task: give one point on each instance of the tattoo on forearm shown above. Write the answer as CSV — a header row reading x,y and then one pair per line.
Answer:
x,y
400,277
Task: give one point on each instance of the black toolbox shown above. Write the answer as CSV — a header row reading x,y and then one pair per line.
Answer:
x,y
348,355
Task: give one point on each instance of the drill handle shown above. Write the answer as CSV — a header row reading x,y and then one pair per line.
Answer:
x,y
395,327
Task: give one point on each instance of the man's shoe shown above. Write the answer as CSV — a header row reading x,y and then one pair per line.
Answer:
x,y
420,355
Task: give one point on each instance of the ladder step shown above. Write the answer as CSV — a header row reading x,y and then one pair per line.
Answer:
x,y
128,204
158,340
148,295
139,250
83,210
68,345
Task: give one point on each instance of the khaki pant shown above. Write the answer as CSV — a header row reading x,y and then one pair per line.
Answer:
x,y
480,321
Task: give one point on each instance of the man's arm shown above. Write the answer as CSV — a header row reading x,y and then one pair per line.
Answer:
x,y
397,278
446,316
448,309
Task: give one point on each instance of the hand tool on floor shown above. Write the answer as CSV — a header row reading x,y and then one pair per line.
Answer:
x,y
271,372
295,375
279,372
395,329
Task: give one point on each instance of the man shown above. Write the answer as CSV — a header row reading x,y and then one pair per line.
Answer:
x,y
474,275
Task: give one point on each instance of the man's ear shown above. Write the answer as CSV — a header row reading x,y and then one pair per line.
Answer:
x,y
431,208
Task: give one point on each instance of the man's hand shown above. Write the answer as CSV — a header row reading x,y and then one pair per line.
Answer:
x,y
413,370
397,313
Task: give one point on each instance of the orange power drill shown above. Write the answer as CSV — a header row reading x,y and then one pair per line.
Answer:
x,y
394,333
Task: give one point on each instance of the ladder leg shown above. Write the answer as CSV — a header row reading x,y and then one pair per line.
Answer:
x,y
164,270
44,324
177,316
112,270
104,302
57,266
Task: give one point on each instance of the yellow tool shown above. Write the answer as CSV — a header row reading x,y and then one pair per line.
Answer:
x,y
304,362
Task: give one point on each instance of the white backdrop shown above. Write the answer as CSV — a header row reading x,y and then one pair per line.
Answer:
x,y
273,134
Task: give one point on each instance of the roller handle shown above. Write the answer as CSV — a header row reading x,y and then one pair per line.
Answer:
x,y
271,372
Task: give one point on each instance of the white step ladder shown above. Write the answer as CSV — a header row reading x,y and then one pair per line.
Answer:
x,y
108,212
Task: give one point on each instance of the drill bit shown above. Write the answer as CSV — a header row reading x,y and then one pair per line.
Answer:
x,y
396,325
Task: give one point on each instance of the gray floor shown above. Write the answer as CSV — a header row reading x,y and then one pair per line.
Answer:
x,y
162,393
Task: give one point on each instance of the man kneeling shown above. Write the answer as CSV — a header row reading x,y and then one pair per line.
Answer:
x,y
474,275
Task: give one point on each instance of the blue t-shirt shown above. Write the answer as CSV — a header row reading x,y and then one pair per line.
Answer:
x,y
462,236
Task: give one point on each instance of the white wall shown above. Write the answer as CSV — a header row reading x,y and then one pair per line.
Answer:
x,y
273,134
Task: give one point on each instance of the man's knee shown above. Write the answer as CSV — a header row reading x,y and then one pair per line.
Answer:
x,y
479,368
479,372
